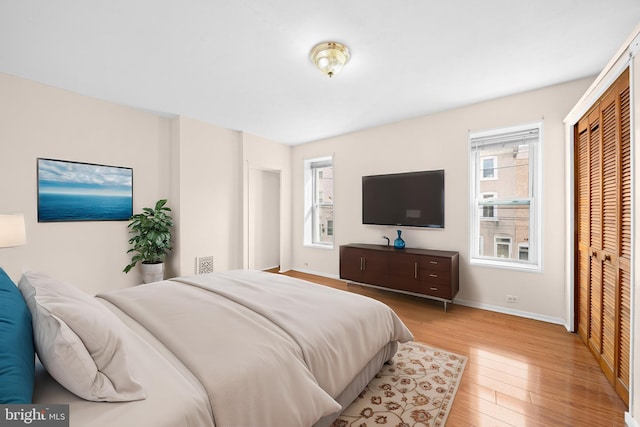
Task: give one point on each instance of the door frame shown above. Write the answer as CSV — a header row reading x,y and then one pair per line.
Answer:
x,y
248,247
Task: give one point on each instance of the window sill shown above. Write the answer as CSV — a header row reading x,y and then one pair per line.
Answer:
x,y
533,268
318,246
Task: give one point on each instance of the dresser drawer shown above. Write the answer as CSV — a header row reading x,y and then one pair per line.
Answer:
x,y
431,263
436,290
435,276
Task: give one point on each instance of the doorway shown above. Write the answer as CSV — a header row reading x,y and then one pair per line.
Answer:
x,y
264,219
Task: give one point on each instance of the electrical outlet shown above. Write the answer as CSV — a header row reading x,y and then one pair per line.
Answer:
x,y
513,299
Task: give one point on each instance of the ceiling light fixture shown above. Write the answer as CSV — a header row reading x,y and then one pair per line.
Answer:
x,y
330,57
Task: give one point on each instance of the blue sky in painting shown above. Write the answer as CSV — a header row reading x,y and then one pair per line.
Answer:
x,y
59,177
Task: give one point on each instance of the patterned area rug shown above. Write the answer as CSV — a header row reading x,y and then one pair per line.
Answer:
x,y
416,390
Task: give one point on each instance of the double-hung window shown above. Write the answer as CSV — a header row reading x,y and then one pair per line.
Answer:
x,y
318,181
505,197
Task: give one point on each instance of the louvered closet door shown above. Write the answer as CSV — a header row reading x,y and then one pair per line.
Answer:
x,y
603,222
610,230
595,233
583,265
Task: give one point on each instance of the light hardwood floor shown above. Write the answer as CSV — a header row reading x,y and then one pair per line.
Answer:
x,y
520,372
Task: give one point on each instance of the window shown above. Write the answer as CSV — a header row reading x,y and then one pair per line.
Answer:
x,y
330,227
502,247
523,251
318,202
489,168
488,210
505,195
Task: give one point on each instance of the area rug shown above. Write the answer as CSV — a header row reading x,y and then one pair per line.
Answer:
x,y
416,390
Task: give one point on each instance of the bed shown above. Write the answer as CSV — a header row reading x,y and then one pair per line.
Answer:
x,y
237,348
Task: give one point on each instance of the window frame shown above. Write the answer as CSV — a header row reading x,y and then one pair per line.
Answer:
x,y
535,181
312,227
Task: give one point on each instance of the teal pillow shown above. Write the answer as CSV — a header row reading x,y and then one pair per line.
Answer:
x,y
17,357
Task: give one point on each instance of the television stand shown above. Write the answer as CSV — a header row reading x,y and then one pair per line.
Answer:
x,y
424,273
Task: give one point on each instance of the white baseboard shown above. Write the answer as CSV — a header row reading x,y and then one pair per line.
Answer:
x,y
630,421
519,313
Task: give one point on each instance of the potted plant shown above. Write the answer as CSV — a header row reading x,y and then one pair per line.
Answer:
x,y
151,240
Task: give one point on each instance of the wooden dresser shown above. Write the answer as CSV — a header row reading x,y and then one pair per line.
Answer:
x,y
421,272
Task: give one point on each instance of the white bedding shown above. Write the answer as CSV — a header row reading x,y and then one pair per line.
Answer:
x,y
338,332
240,348
175,397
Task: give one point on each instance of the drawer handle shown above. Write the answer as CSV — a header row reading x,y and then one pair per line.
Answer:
x,y
433,289
433,275
433,262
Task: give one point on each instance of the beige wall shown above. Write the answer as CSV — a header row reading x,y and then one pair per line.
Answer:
x,y
440,141
206,165
197,166
41,121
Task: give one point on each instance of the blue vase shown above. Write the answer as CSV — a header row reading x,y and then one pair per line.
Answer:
x,y
399,243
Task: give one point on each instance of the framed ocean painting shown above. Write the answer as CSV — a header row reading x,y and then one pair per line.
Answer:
x,y
75,191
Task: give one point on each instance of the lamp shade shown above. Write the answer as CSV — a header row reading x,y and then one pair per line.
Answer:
x,y
12,230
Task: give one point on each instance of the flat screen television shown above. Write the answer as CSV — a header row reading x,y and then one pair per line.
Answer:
x,y
414,199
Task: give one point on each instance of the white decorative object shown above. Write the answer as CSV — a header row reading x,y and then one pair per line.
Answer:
x,y
152,272
204,264
12,230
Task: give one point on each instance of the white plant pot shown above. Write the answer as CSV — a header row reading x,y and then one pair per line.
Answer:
x,y
152,272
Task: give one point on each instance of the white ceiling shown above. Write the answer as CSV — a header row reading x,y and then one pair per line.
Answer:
x,y
244,64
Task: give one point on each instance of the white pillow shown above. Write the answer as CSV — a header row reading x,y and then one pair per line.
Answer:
x,y
79,340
